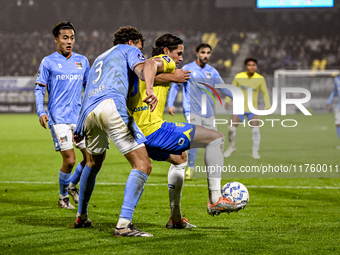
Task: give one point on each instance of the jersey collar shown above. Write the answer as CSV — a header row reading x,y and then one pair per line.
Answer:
x,y
199,64
69,55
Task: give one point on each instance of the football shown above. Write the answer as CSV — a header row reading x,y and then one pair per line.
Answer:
x,y
236,192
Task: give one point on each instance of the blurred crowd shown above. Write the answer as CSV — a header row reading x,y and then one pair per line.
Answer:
x,y
277,51
22,53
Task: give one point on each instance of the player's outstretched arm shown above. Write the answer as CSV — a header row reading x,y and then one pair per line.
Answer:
x,y
179,76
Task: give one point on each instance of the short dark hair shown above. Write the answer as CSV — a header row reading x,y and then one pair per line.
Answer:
x,y
127,33
202,45
166,41
62,25
250,59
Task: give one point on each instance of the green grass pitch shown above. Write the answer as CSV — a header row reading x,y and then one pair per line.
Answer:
x,y
283,216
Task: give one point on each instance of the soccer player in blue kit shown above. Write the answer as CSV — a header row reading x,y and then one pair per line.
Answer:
x,y
336,91
203,75
64,74
104,115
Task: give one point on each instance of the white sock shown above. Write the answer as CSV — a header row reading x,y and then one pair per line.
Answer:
x,y
62,196
72,185
214,186
214,158
256,138
122,223
82,216
175,185
232,136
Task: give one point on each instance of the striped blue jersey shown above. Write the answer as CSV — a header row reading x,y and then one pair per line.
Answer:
x,y
202,82
110,76
335,91
64,78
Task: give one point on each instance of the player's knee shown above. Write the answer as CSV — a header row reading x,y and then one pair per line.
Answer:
x,y
218,141
144,166
69,163
147,167
184,157
94,165
217,135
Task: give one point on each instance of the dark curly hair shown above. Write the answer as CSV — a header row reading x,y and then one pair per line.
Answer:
x,y
127,33
202,45
166,41
250,59
62,25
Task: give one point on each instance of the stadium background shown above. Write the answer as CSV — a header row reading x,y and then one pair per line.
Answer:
x,y
284,215
304,39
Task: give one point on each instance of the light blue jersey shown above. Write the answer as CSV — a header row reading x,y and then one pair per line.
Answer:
x,y
202,82
64,78
336,91
110,76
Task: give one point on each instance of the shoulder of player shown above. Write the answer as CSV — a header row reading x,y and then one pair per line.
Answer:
x,y
50,58
192,66
165,57
337,81
210,68
241,75
257,75
79,56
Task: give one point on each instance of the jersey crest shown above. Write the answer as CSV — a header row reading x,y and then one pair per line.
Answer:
x,y
79,65
141,56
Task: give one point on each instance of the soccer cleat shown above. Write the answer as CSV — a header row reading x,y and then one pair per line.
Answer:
x,y
189,173
223,205
229,151
65,203
184,223
79,223
74,194
256,155
131,230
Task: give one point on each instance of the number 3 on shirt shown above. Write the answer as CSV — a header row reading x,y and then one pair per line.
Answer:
x,y
98,70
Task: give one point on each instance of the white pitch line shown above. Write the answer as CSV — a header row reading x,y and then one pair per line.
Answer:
x,y
187,185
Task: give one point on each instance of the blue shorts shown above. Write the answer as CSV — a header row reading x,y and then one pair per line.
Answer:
x,y
250,115
171,138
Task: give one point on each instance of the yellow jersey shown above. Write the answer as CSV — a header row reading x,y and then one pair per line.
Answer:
x,y
257,83
148,121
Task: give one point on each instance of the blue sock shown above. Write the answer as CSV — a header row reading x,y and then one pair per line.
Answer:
x,y
192,157
64,181
133,190
86,187
338,131
76,175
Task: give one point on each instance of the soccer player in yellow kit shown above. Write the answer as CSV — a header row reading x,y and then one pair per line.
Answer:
x,y
244,80
167,141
